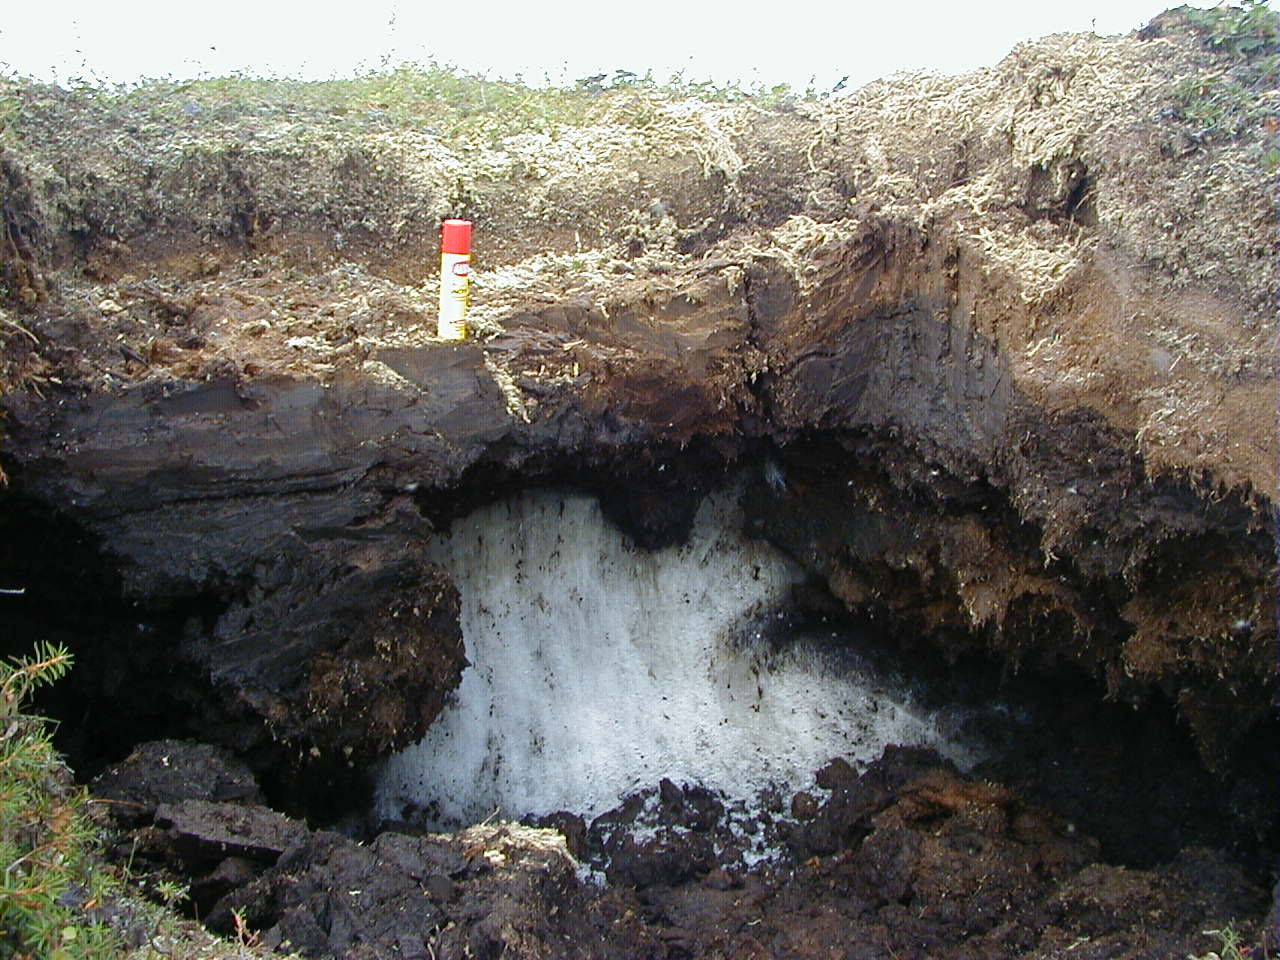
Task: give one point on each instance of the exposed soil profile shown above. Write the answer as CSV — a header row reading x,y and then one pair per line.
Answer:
x,y
947,408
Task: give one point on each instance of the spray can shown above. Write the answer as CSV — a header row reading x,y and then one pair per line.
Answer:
x,y
455,279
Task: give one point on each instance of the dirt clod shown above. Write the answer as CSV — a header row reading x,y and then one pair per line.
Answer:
x,y
928,864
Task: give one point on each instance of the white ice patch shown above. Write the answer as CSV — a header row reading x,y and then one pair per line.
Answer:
x,y
599,668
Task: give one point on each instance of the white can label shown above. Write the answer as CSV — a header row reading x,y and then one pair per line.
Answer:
x,y
455,295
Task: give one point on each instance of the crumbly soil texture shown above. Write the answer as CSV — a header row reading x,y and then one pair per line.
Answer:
x,y
994,352
907,859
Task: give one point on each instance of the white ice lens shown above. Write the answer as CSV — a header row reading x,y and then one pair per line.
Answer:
x,y
599,668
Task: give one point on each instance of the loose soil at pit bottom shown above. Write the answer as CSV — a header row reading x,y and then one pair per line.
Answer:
x,y
908,859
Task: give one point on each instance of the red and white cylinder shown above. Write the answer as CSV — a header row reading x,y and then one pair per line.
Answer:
x,y
455,279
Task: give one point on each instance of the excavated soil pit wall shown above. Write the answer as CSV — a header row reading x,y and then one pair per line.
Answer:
x,y
599,667
980,370
670,711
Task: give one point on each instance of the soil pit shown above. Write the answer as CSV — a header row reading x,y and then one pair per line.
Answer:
x,y
669,834
994,352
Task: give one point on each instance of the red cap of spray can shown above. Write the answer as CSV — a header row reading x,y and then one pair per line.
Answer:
x,y
456,237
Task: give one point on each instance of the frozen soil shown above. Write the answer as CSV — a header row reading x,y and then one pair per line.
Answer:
x,y
995,350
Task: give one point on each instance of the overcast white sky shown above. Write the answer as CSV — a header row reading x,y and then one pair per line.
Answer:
x,y
564,40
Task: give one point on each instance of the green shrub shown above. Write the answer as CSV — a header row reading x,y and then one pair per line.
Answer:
x,y
1248,31
1235,98
462,108
49,889
1231,945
